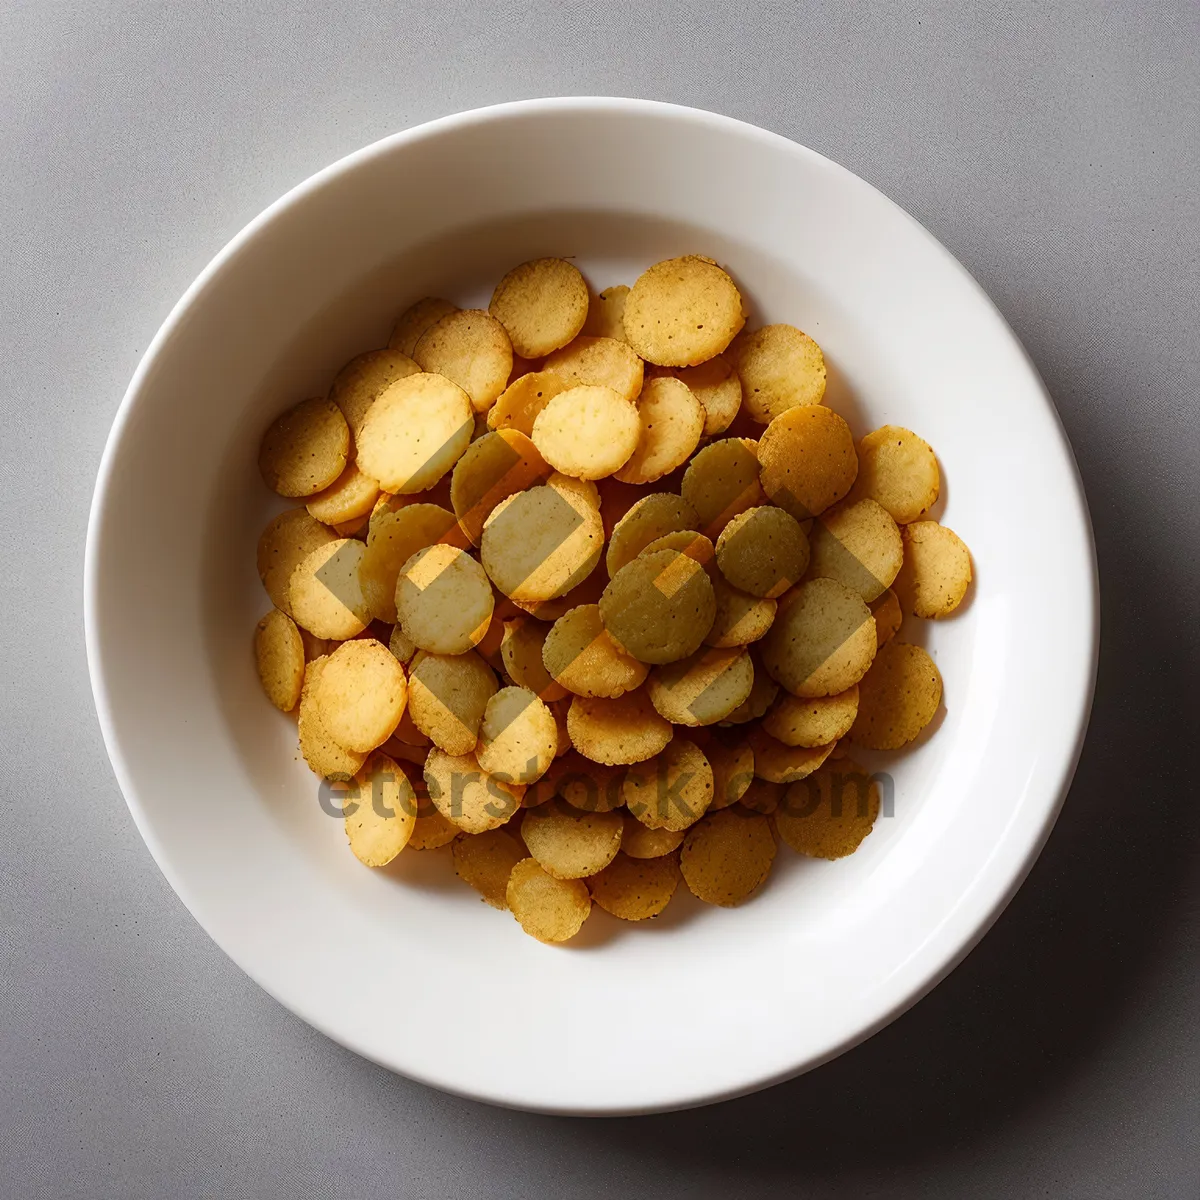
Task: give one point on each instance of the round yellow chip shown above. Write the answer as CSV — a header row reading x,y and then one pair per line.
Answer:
x,y
521,651
358,384
580,655
660,607
320,751
635,889
325,593
542,304
305,449
762,551
350,496
732,762
857,544
598,362
762,696
551,910
518,736
717,386
780,763
780,368
485,861
587,432
703,688
682,311
447,697
523,399
671,421
541,543
379,821
415,432
888,615
570,843
823,639
472,349
640,842
672,790
828,814
647,520
431,830
898,470
806,460
763,796
589,786
624,730
416,319
279,655
721,482
606,314
936,571
361,694
466,795
899,696
727,856
815,721
284,544
740,618
393,539
444,600
492,468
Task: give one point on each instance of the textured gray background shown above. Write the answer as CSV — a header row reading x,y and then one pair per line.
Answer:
x,y
1053,148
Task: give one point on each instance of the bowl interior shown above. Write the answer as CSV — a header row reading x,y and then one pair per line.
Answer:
x,y
405,964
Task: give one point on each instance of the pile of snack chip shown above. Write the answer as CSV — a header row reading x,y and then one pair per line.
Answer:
x,y
596,590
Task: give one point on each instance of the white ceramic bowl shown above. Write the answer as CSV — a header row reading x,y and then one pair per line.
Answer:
x,y
406,965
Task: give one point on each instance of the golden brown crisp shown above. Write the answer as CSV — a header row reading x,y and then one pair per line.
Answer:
x,y
936,571
415,432
828,814
671,421
727,856
762,551
659,607
635,889
806,460
823,639
305,449
900,471
279,655
682,311
898,697
541,304
624,730
815,721
780,368
858,544
472,349
721,482
551,910
672,790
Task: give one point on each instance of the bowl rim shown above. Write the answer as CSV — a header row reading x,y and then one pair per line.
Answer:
x,y
941,964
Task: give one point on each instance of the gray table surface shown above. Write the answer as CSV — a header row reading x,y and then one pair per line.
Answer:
x,y
1054,148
